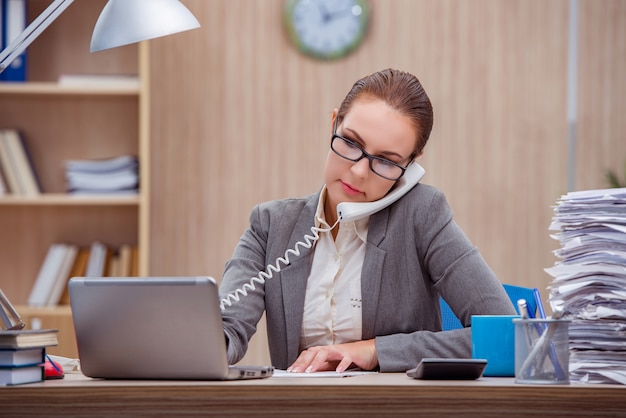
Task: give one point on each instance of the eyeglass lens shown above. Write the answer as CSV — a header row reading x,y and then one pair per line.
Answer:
x,y
351,151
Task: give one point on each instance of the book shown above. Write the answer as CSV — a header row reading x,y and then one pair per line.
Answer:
x,y
10,376
134,263
3,43
9,168
12,357
113,265
60,281
50,268
18,152
99,255
17,165
78,269
126,255
4,188
13,22
28,338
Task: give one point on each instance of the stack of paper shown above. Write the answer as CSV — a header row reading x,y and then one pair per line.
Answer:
x,y
589,282
118,175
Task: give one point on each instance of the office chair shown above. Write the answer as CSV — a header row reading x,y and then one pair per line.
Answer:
x,y
449,320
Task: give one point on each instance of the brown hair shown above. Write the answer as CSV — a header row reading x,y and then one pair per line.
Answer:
x,y
401,91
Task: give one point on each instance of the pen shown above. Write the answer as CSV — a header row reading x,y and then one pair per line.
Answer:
x,y
540,310
522,307
541,330
53,364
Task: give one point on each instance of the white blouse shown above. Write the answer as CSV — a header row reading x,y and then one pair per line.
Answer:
x,y
332,306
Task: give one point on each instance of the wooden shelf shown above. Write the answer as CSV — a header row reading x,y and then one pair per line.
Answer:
x,y
61,199
51,88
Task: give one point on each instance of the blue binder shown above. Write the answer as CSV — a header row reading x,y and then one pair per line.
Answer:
x,y
13,21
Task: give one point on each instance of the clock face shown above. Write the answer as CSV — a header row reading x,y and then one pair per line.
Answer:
x,y
326,29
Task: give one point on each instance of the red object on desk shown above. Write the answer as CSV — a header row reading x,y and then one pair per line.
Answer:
x,y
53,370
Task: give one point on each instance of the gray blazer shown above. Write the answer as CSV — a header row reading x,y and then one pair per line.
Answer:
x,y
415,253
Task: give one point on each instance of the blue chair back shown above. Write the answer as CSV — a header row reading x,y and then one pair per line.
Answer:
x,y
449,320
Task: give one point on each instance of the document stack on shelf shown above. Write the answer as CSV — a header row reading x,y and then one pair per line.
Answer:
x,y
117,175
589,282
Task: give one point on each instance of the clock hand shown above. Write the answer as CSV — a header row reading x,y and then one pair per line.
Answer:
x,y
337,14
323,11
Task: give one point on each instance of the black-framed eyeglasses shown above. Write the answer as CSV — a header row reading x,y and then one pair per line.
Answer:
x,y
350,150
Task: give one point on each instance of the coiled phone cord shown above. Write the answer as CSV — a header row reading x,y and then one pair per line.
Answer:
x,y
269,271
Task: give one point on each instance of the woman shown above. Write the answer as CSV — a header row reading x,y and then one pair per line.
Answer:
x,y
366,294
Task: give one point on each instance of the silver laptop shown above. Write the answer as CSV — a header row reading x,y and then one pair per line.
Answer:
x,y
152,328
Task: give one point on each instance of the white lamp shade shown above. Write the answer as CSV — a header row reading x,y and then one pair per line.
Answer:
x,y
124,22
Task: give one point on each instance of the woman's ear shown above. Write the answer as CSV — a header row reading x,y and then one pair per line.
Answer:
x,y
332,120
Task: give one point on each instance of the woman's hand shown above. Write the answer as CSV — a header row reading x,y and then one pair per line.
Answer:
x,y
338,357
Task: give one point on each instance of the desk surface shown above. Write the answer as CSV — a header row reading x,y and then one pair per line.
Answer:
x,y
377,394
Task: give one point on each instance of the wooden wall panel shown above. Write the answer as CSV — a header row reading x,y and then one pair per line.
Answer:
x,y
238,116
601,125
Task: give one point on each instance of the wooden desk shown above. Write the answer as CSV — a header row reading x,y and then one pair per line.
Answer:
x,y
387,394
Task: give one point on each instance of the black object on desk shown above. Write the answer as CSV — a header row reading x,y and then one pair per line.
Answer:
x,y
448,369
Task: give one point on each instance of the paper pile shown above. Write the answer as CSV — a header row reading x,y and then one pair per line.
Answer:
x,y
116,175
589,282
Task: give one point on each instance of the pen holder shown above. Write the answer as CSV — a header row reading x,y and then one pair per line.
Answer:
x,y
542,351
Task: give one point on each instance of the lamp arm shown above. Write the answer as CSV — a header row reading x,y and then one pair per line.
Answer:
x,y
19,44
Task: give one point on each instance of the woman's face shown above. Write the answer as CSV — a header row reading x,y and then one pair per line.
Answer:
x,y
381,131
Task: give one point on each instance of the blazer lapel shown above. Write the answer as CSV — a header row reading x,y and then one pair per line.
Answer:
x,y
293,282
372,274
294,278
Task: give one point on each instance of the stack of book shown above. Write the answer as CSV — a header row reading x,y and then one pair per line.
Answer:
x,y
22,355
589,282
117,175
17,173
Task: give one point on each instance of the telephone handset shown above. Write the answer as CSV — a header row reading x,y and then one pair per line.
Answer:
x,y
346,211
350,211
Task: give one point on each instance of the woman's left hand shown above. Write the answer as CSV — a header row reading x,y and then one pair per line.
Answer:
x,y
338,357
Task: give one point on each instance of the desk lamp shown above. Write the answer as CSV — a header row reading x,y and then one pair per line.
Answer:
x,y
121,22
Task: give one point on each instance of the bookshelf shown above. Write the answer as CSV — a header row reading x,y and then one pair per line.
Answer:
x,y
60,122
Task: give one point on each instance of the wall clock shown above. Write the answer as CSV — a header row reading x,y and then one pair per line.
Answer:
x,y
326,29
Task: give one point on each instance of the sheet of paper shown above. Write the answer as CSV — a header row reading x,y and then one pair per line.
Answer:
x,y
347,373
589,282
